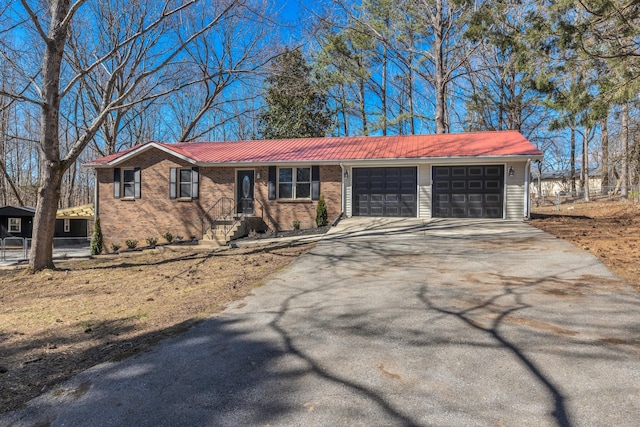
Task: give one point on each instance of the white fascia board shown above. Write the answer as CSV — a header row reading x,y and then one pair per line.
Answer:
x,y
375,162
439,160
141,150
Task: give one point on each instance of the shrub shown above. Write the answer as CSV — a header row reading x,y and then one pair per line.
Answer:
x,y
96,238
168,237
152,241
322,217
296,224
131,244
115,247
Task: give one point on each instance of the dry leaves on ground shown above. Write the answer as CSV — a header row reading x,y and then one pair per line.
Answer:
x,y
55,324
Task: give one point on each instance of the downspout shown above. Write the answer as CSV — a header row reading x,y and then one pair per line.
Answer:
x,y
342,195
527,173
95,194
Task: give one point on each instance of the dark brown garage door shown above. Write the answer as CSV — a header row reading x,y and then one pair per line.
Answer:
x,y
385,192
468,191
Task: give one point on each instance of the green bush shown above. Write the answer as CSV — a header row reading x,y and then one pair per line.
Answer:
x,y
131,244
96,238
322,217
168,237
296,224
115,247
152,241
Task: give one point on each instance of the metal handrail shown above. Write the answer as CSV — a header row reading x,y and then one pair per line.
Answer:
x,y
218,209
227,216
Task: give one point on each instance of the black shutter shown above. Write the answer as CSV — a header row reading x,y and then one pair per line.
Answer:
x,y
195,182
272,183
136,183
116,183
172,183
315,182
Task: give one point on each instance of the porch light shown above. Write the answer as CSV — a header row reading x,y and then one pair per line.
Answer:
x,y
346,174
511,172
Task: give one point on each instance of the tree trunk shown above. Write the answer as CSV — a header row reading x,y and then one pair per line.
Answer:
x,y
440,84
363,111
624,176
51,168
573,160
605,155
585,163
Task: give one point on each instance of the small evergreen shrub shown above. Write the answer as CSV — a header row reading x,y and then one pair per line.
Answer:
x,y
115,247
131,244
322,217
152,241
168,237
96,238
296,224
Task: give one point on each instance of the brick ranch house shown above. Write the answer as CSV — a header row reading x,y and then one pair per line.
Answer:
x,y
184,188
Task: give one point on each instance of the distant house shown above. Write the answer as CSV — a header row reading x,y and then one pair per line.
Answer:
x,y
187,189
559,182
17,221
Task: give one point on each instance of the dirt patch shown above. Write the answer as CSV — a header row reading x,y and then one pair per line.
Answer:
x,y
609,229
55,324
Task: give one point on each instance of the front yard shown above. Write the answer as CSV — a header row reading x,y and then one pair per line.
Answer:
x,y
609,229
55,324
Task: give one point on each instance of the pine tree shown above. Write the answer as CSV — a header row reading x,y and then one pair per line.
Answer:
x,y
96,238
322,216
295,106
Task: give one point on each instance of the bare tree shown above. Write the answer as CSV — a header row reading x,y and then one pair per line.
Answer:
x,y
59,76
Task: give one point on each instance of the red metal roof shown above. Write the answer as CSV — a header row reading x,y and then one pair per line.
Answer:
x,y
469,144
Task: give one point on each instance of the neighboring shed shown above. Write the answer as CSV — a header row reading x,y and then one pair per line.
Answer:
x,y
16,221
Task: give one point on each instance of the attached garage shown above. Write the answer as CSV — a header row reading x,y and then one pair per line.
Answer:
x,y
468,191
385,191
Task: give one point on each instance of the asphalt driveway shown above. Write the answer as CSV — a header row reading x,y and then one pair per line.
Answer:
x,y
391,322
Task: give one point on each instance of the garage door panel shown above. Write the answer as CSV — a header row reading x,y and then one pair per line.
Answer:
x,y
468,191
494,171
475,184
385,191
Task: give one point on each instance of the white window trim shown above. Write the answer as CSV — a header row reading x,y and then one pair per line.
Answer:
x,y
294,182
67,225
18,222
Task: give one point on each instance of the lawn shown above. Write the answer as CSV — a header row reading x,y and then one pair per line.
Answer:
x,y
57,323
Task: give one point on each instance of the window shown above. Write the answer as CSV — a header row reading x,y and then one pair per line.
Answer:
x,y
67,225
294,183
15,225
126,183
183,183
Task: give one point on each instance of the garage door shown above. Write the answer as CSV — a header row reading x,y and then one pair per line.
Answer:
x,y
468,191
385,192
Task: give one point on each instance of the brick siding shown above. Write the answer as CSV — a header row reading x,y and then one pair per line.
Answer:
x,y
155,214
